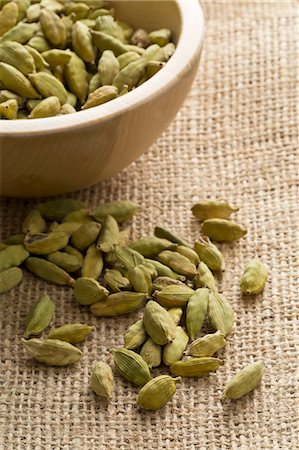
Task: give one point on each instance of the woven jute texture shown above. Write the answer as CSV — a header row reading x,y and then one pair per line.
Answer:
x,y
235,138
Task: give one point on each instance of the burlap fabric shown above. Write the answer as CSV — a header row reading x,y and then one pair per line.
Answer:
x,y
235,138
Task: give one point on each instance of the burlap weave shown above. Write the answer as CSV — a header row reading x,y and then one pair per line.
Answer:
x,y
235,138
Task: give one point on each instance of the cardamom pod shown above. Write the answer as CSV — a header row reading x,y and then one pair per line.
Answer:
x,y
93,263
38,43
178,263
158,323
45,243
108,25
222,230
102,380
244,381
254,277
140,280
52,352
126,58
157,392
16,55
150,269
116,281
101,95
49,86
135,335
165,271
8,17
131,366
78,10
151,353
53,27
40,316
204,277
12,256
195,367
104,41
209,254
86,235
128,257
57,57
39,61
173,351
48,271
212,209
34,223
196,311
188,253
108,67
10,278
67,227
74,252
74,333
121,210
59,208
166,234
82,42
94,83
119,303
9,109
130,75
220,313
173,295
207,345
22,33
88,291
69,263
13,80
76,77
151,246
66,109
176,314
48,107
160,37
109,235
8,95
80,216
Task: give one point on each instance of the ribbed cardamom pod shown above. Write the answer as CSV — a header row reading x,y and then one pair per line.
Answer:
x,y
140,280
108,67
128,257
119,303
52,352
53,27
174,295
10,278
165,271
102,380
9,109
74,333
158,323
131,366
162,282
157,392
74,252
135,335
209,254
151,353
40,316
116,281
207,345
86,235
57,57
82,42
34,223
222,230
48,271
188,253
212,209
80,216
8,17
88,291
254,277
45,243
204,277
160,37
101,95
59,208
121,210
196,311
93,263
67,262
244,381
109,235
48,107
12,256
15,54
195,367
130,75
48,86
166,234
104,41
178,263
176,314
151,246
173,351
220,313
127,58
13,80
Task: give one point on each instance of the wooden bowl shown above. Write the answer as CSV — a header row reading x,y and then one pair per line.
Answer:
x,y
42,157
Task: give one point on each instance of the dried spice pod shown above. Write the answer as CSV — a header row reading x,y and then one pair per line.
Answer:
x,y
10,278
40,316
34,223
109,235
151,353
220,313
152,246
196,311
131,366
174,295
123,302
195,367
74,333
209,254
12,256
254,277
45,243
157,392
102,380
222,230
52,352
88,291
173,351
178,263
48,271
86,235
158,323
244,381
136,335
204,277
207,345
213,209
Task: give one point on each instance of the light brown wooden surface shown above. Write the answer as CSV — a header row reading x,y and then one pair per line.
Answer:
x,y
62,154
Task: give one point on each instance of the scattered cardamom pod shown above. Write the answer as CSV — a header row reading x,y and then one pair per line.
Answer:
x,y
119,303
151,246
109,235
158,323
212,210
151,353
135,335
74,333
157,392
40,316
12,256
207,345
131,366
34,223
220,313
10,278
204,277
195,367
254,277
244,381
52,352
174,350
222,230
88,291
58,209
48,271
102,380
209,254
178,263
122,210
93,263
174,295
116,281
86,235
140,280
45,243
196,311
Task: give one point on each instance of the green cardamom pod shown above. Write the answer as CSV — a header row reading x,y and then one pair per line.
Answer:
x,y
220,313
40,316
109,235
196,311
254,277
108,67
9,109
49,86
38,43
174,295
195,367
222,230
135,335
151,353
52,352
207,345
116,281
58,209
104,41
204,277
80,216
88,291
94,83
121,210
33,223
102,380
67,227
158,323
56,57
166,234
53,28
76,77
82,42
209,254
173,351
140,280
157,392
126,58
69,263
74,333
48,271
48,107
131,366
86,235
165,271
12,256
244,381
93,263
10,278
188,253
176,314
212,209
74,252
130,75
45,243
117,304
101,95
8,17
128,257
160,37
151,246
178,263
22,33
13,80
16,55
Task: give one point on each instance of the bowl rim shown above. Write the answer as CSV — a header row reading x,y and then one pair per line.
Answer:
x,y
188,47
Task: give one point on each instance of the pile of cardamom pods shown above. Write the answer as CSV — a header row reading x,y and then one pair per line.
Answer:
x,y
61,56
64,242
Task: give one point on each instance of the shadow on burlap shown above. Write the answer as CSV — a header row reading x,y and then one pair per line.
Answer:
x,y
235,138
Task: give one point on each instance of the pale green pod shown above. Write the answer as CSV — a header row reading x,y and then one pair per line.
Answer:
x,y
74,333
106,24
196,311
10,278
38,43
101,95
94,83
212,209
104,41
72,100
33,12
188,253
56,57
39,61
173,351
39,316
128,257
76,77
31,104
8,95
166,234
68,227
130,75
22,33
135,335
45,243
23,5
102,380
12,256
79,10
108,67
127,30
116,281
86,235
109,235
34,223
52,27
157,392
176,314
209,254
151,353
48,107
151,51
178,263
222,230
220,313
153,67
88,22
160,37
174,295
150,269
207,345
81,216
100,12
88,291
204,277
74,252
66,109
195,367
70,263
52,352
244,381
163,54
9,109
53,5
8,17
17,55
48,86
93,263
140,280
82,42
158,323
123,302
59,208
13,80
165,271
126,58
121,210
151,246
48,271
131,366
134,48
254,277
